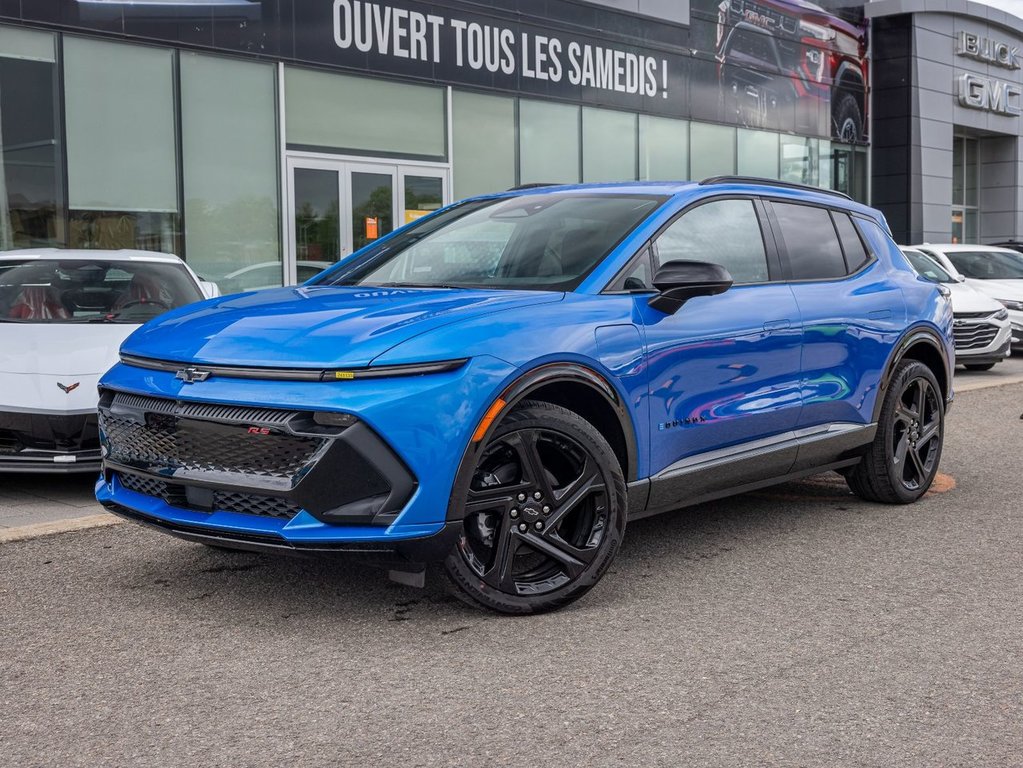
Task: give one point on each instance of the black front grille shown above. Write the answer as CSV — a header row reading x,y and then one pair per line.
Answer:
x,y
176,495
256,461
974,335
172,442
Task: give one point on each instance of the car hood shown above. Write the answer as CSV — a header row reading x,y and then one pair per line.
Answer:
x,y
60,349
966,298
315,326
999,289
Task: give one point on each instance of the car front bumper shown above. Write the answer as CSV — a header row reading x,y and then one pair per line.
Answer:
x,y
410,431
46,442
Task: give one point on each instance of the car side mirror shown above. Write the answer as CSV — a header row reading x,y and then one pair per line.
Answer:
x,y
678,281
210,290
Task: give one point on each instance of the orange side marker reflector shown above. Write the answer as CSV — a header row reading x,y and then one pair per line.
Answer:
x,y
488,419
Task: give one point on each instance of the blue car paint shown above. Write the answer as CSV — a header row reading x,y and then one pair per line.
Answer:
x,y
713,375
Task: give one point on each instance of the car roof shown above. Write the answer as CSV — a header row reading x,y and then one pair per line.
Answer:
x,y
71,254
963,247
717,185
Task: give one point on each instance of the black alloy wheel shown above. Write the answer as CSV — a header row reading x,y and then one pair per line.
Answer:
x,y
544,513
901,463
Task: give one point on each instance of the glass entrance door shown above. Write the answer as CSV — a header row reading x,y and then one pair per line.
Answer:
x,y
337,207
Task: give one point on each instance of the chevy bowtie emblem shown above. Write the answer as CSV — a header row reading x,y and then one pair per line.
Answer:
x,y
191,375
68,388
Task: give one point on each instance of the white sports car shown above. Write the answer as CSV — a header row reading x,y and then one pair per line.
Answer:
x,y
63,316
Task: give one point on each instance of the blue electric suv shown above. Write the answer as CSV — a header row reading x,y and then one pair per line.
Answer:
x,y
499,388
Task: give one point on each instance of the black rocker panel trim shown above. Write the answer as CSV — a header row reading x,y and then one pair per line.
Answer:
x,y
724,473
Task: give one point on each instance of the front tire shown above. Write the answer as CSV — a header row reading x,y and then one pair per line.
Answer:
x,y
901,463
544,513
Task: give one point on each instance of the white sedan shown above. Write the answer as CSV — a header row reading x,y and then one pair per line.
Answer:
x,y
998,272
980,324
63,316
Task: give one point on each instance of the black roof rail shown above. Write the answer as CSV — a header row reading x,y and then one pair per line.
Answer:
x,y
533,185
759,180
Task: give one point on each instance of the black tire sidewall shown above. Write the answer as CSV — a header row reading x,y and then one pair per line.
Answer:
x,y
905,373
551,418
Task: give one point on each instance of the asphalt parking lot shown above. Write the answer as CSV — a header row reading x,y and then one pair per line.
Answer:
x,y
795,626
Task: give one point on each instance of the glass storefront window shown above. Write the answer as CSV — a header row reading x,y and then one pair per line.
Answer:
x,y
757,153
324,110
548,142
31,204
711,150
609,145
849,171
423,196
663,148
372,206
483,143
964,190
825,165
229,165
799,160
317,218
121,147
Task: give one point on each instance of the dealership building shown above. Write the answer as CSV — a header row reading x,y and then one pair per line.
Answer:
x,y
262,139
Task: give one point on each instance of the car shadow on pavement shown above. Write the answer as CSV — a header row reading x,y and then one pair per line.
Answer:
x,y
181,577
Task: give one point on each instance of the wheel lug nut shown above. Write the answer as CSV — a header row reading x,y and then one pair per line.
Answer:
x,y
538,525
522,497
514,513
523,527
537,495
546,509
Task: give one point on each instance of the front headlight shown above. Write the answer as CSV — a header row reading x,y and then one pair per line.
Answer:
x,y
1002,314
816,31
1016,306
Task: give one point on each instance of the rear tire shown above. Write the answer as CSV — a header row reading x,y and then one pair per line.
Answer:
x,y
901,463
544,513
979,366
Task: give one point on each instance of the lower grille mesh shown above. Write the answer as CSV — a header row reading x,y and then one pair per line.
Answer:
x,y
223,501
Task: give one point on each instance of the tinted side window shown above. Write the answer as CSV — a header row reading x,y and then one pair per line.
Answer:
x,y
810,241
855,254
877,239
725,232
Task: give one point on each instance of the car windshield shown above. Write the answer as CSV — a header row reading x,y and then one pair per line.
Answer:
x,y
100,291
927,267
534,242
988,265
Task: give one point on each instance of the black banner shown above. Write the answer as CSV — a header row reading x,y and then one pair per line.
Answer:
x,y
784,65
457,46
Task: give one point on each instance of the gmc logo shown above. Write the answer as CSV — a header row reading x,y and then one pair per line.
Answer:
x,y
977,92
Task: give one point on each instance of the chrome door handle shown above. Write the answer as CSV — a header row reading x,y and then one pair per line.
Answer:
x,y
776,325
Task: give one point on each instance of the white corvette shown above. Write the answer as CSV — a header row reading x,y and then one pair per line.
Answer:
x,y
63,316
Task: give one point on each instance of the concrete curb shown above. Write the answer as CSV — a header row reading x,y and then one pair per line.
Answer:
x,y
974,385
36,530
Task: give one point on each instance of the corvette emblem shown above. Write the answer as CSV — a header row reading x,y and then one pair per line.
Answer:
x,y
190,375
68,388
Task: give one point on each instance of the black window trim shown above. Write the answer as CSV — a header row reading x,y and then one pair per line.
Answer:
x,y
646,249
831,209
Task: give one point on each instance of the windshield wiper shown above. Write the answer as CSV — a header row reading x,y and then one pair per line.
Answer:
x,y
417,285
